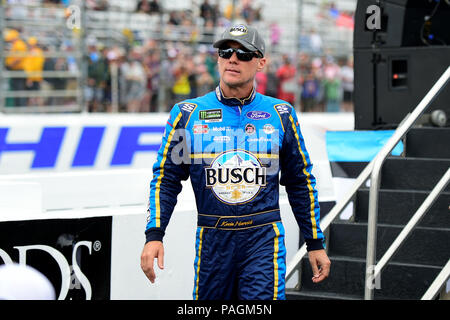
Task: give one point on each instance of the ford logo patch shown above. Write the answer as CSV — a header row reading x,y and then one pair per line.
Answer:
x,y
258,115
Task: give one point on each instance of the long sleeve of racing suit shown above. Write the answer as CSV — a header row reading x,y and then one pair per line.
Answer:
x,y
300,183
167,176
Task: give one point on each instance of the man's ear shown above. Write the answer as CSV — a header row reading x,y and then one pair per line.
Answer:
x,y
261,64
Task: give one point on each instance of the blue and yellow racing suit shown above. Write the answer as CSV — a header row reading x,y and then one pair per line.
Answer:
x,y
236,153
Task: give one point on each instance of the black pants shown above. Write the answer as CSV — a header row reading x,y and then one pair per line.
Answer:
x,y
18,84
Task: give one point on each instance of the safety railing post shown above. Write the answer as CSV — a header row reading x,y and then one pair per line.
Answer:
x,y
399,133
413,222
372,228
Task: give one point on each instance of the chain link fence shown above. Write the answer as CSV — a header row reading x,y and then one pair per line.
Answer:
x,y
48,51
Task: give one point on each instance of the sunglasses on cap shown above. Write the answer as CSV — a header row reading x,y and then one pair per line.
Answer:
x,y
240,54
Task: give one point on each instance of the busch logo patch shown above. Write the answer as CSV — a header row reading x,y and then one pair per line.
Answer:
x,y
236,176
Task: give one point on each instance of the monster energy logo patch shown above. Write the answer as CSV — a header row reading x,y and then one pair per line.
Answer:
x,y
212,115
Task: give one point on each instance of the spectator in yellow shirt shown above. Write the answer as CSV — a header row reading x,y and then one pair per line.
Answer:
x,y
14,61
18,46
33,66
181,87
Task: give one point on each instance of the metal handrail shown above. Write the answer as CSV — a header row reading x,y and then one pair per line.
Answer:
x,y
55,22
415,219
329,218
40,93
365,174
437,283
45,54
376,177
43,109
44,74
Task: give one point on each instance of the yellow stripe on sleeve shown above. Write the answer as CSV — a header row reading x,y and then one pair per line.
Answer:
x,y
163,161
310,188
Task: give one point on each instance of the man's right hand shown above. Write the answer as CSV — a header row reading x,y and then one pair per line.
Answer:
x,y
152,250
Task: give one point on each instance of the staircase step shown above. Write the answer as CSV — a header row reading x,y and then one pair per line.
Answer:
x,y
402,281
428,142
347,276
424,245
292,294
398,206
347,169
413,173
405,183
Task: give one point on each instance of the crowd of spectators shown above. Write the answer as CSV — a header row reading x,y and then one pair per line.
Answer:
x,y
151,75
312,83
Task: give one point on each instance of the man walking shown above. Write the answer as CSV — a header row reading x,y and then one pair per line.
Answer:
x,y
234,144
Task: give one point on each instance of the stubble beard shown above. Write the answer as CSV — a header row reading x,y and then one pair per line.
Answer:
x,y
237,85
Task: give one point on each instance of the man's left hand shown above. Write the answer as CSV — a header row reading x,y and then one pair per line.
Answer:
x,y
320,265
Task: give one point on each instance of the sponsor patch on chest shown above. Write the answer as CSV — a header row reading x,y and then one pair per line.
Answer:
x,y
211,115
258,115
235,176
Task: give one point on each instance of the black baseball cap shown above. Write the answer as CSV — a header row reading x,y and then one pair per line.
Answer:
x,y
245,35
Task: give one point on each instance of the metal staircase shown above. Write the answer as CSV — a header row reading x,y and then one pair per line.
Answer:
x,y
418,255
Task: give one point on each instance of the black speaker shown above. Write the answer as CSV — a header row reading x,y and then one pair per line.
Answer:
x,y
389,34
403,23
390,83
398,62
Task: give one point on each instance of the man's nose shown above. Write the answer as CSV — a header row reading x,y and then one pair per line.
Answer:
x,y
234,57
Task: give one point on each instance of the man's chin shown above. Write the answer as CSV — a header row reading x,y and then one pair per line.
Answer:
x,y
234,84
